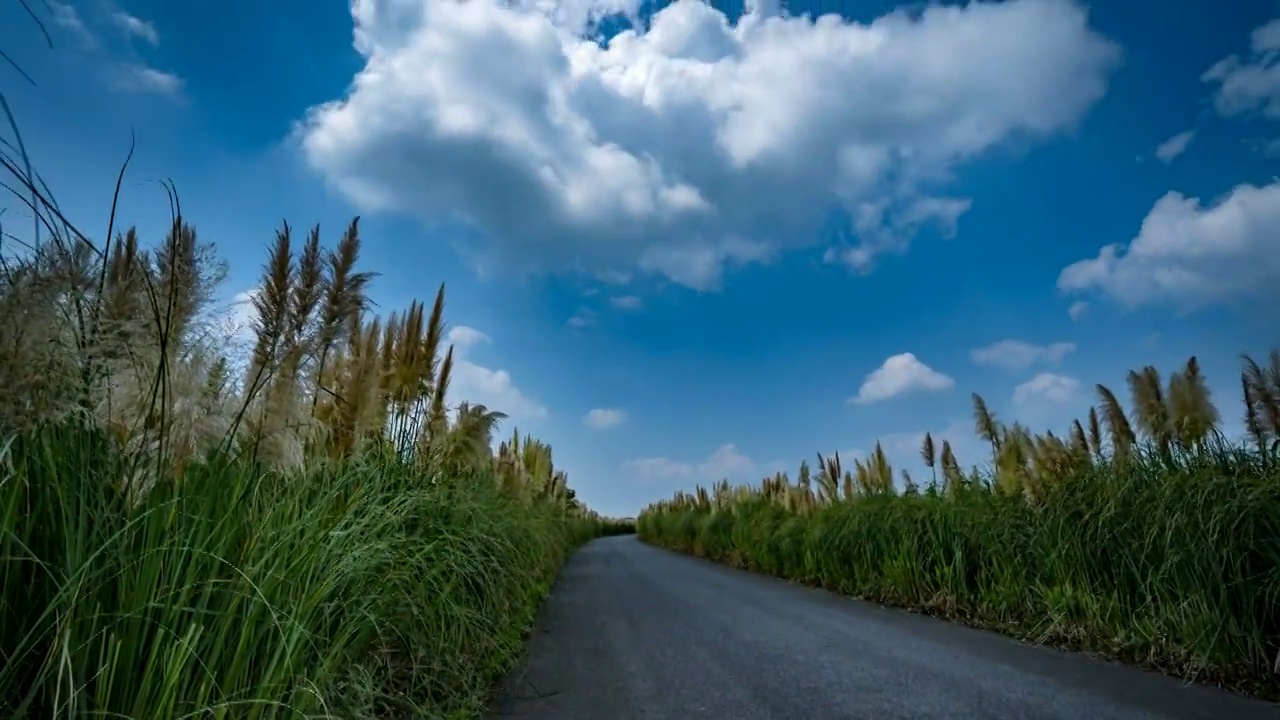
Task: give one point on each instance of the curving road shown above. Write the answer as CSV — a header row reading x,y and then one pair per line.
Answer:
x,y
632,632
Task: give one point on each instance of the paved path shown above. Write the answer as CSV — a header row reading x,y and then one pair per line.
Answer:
x,y
632,632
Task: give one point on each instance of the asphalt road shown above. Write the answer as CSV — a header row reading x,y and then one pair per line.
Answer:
x,y
631,632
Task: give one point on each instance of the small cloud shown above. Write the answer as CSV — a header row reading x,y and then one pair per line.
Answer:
x,y
1077,310
1018,355
724,462
626,302
463,338
495,389
654,469
1047,386
232,326
1267,148
123,75
67,17
242,314
898,375
584,317
136,27
613,277
1252,83
144,79
604,418
1174,146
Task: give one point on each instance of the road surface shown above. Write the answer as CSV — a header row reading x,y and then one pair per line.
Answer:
x,y
631,632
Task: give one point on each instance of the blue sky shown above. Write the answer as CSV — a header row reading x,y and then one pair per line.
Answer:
x,y
723,236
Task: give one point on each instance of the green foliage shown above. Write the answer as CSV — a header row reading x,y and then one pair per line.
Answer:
x,y
355,590
1165,554
315,539
1174,566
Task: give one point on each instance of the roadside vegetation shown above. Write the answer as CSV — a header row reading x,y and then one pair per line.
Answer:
x,y
1144,536
296,525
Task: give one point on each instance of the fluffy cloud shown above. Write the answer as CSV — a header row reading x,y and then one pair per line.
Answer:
x,y
1251,83
478,384
604,418
1019,355
1077,310
898,375
463,338
725,462
1170,149
1189,255
1048,387
695,145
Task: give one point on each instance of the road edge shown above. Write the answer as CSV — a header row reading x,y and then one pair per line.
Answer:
x,y
1020,632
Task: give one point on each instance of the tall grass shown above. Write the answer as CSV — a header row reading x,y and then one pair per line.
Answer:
x,y
1158,545
355,591
298,525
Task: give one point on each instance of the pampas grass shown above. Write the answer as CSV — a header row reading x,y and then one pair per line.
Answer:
x,y
310,528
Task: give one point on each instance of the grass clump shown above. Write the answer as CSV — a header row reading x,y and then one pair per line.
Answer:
x,y
302,526
1147,538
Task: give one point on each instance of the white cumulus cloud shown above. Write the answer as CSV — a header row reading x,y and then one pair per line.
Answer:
x,y
1250,83
1018,354
476,383
1049,387
1189,255
696,145
898,375
604,418
463,338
